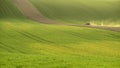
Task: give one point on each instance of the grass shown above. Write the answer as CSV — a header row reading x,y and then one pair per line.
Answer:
x,y
45,61
9,10
80,12
39,45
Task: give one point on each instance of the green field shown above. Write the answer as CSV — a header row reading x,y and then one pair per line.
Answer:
x,y
81,11
9,10
38,45
25,43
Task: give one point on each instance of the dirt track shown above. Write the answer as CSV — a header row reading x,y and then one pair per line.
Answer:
x,y
117,29
31,12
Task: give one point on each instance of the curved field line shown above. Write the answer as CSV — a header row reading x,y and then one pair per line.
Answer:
x,y
37,37
10,48
5,48
31,12
34,37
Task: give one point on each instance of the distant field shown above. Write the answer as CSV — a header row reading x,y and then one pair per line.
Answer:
x,y
81,11
26,44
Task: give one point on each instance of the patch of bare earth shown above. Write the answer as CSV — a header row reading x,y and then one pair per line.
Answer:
x,y
31,12
106,28
117,29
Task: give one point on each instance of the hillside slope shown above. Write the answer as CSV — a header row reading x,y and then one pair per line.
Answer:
x,y
28,44
79,11
31,12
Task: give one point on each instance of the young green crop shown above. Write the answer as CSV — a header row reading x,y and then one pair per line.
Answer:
x,y
27,44
9,10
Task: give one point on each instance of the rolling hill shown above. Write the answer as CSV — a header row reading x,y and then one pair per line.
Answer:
x,y
80,11
25,43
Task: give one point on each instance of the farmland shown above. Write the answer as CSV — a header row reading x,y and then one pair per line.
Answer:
x,y
8,10
26,43
81,11
51,46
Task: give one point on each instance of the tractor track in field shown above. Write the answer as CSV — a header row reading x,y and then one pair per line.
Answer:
x,y
9,48
31,12
34,37
4,47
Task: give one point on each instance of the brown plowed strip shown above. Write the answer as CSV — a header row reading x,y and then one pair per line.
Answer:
x,y
31,12
117,29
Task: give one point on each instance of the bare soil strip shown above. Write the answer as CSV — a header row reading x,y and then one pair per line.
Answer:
x,y
117,29
31,12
